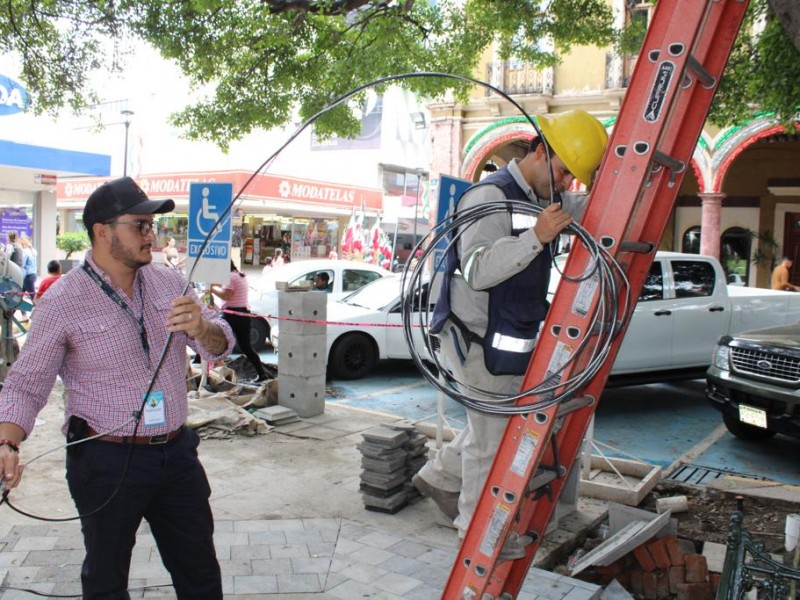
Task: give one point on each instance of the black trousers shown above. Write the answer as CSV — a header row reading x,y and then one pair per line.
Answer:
x,y
167,486
240,325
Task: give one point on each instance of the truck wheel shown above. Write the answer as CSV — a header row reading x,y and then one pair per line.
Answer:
x,y
743,431
352,356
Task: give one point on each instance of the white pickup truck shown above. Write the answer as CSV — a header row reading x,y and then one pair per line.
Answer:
x,y
684,307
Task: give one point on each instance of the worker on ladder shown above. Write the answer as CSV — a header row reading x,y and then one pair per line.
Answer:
x,y
493,296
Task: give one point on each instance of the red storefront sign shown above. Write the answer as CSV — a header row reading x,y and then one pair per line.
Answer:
x,y
263,187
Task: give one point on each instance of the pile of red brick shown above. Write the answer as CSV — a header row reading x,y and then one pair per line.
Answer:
x,y
658,569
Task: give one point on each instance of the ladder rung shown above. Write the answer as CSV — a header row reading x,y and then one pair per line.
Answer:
x,y
574,404
640,247
706,78
541,479
673,164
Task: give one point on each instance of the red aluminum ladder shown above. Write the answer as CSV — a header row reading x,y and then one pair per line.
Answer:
x,y
684,53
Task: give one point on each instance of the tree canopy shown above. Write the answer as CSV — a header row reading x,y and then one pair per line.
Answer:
x,y
256,64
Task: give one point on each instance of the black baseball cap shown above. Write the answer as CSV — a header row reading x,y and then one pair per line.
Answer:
x,y
121,197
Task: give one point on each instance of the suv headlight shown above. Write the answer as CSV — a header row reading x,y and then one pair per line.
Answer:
x,y
722,358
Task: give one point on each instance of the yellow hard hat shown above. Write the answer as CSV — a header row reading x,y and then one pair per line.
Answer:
x,y
578,139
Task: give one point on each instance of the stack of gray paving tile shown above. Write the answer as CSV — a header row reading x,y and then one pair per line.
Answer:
x,y
277,415
390,456
416,448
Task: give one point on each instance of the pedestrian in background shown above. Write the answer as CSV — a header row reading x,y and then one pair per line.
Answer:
x,y
267,266
278,260
234,298
29,269
489,310
102,329
53,275
781,276
13,250
171,256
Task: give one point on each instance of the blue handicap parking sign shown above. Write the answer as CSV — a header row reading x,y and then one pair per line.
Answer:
x,y
209,216
450,190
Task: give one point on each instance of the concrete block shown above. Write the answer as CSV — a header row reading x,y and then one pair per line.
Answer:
x,y
305,395
302,355
715,556
302,313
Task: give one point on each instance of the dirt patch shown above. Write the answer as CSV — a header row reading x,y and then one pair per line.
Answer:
x,y
710,511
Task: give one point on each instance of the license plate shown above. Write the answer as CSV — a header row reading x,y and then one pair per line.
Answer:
x,y
753,416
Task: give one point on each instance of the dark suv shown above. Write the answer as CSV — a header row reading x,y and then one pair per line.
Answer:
x,y
754,379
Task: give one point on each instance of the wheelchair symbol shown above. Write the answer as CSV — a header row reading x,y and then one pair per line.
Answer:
x,y
206,214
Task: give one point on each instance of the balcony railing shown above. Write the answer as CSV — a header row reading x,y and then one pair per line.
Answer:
x,y
515,77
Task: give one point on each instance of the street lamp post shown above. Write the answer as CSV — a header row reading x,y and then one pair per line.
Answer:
x,y
127,114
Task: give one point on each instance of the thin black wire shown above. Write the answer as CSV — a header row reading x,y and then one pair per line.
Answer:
x,y
221,219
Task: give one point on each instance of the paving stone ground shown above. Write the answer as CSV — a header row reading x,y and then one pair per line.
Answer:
x,y
279,559
290,523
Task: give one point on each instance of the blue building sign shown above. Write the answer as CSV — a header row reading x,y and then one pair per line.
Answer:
x,y
13,97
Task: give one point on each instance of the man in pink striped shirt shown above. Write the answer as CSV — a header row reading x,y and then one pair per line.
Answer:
x,y
103,328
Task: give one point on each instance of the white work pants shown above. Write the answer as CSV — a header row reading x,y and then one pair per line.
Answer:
x,y
464,463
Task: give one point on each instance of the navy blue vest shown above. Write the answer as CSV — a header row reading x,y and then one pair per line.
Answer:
x,y
517,306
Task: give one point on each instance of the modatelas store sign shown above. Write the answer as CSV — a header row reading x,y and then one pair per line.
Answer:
x,y
13,97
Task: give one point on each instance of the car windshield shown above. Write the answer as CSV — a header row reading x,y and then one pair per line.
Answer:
x,y
376,295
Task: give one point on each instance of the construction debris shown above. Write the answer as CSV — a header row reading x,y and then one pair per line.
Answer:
x,y
277,415
619,480
215,416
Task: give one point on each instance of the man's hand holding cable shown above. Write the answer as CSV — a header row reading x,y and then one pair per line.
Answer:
x,y
186,316
550,222
10,470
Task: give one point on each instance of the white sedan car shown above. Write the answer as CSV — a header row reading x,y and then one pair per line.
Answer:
x,y
373,332
344,277
370,329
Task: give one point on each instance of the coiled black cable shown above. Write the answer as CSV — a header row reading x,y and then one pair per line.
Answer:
x,y
605,322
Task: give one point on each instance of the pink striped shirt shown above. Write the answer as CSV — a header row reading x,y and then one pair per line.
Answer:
x,y
81,334
238,285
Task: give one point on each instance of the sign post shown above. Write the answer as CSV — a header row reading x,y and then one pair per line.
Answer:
x,y
450,190
207,203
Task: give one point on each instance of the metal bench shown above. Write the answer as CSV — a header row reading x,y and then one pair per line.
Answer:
x,y
748,565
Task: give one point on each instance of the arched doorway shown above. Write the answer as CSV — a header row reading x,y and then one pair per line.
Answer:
x,y
734,250
690,242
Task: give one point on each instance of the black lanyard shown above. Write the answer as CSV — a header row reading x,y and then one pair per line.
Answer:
x,y
112,293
